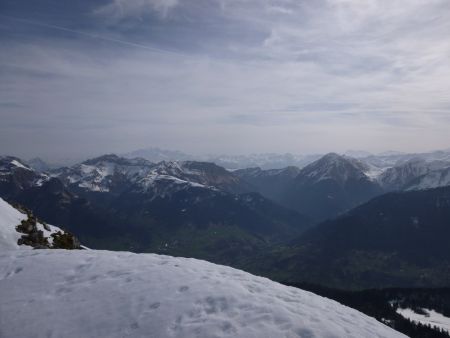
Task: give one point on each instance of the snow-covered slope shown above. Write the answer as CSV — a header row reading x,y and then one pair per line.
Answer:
x,y
401,176
432,179
53,293
11,217
104,173
199,174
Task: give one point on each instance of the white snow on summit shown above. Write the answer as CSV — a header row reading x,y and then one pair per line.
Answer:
x,y
56,293
14,170
111,173
20,165
337,167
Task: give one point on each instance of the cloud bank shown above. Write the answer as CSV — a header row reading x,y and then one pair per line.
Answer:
x,y
230,76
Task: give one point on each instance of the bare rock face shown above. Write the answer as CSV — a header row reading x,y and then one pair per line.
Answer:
x,y
65,240
32,236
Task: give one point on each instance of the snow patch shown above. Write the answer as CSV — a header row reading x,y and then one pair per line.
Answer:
x,y
20,165
432,318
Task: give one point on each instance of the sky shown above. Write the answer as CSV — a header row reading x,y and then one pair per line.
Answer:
x,y
82,78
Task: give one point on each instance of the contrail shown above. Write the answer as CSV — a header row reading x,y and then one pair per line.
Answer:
x,y
92,36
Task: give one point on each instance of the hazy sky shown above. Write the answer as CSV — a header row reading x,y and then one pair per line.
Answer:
x,y
223,76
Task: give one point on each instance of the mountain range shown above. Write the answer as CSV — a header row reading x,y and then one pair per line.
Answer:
x,y
189,208
328,222
264,160
378,162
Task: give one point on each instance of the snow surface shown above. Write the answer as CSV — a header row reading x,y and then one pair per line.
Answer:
x,y
9,218
432,318
58,293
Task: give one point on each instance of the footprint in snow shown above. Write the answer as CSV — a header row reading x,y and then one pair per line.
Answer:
x,y
154,306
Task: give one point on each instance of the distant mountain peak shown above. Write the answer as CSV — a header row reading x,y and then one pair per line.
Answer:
x,y
155,154
103,158
12,162
15,174
332,184
38,164
336,167
112,173
337,159
332,156
358,153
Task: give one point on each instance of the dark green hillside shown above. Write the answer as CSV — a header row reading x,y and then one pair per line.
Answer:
x,y
395,240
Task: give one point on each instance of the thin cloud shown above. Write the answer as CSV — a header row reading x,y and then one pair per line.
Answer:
x,y
120,9
90,35
314,76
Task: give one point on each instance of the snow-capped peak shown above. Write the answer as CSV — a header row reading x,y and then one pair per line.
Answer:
x,y
14,171
11,163
104,173
19,165
337,167
111,173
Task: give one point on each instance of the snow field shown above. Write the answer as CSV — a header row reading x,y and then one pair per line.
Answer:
x,y
57,293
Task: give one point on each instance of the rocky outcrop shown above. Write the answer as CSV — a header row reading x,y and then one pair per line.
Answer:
x,y
40,235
